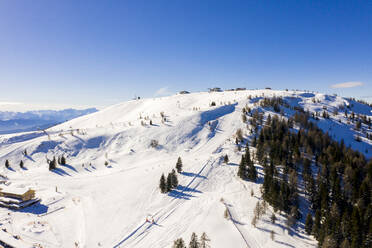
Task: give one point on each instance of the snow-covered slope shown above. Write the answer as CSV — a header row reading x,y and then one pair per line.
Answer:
x,y
90,204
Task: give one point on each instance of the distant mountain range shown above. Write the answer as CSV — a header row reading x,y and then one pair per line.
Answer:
x,y
12,122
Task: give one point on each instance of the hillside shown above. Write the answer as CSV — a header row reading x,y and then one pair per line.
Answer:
x,y
109,186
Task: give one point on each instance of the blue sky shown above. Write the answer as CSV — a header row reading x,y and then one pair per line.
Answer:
x,y
96,53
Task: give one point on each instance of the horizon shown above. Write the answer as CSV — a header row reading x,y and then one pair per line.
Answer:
x,y
72,54
24,107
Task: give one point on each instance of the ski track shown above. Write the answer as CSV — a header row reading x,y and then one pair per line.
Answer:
x,y
248,239
164,214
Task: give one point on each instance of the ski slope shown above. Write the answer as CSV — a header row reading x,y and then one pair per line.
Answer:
x,y
88,204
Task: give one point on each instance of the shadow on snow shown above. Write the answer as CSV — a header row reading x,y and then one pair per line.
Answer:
x,y
36,208
60,172
191,174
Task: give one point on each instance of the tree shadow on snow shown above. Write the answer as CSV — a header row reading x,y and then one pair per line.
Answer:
x,y
36,208
11,169
28,157
191,174
60,172
187,189
24,168
284,243
232,164
179,195
69,166
237,222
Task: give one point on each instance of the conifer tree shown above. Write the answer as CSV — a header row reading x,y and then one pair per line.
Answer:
x,y
169,182
7,163
272,235
251,171
179,243
163,185
194,243
309,223
316,224
273,218
179,165
21,164
174,180
345,244
204,240
53,164
226,159
242,173
355,228
63,160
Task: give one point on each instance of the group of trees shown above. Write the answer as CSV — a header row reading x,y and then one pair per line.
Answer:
x,y
203,242
337,180
280,182
274,102
53,163
21,164
171,182
247,170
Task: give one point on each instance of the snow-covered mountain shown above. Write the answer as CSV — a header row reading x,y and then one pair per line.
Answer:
x,y
109,186
12,122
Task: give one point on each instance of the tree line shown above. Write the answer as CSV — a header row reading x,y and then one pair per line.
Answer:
x,y
337,180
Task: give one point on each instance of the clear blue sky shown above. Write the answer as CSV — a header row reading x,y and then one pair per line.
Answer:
x,y
102,52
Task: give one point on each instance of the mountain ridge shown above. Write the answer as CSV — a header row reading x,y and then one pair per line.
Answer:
x,y
110,183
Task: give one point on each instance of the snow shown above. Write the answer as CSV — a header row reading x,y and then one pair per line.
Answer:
x,y
13,190
89,204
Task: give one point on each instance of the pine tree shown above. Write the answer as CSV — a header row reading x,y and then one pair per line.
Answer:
x,y
204,241
169,182
242,169
174,180
163,185
252,172
355,228
273,218
272,235
179,243
7,163
309,223
53,164
194,243
226,159
21,164
63,160
179,165
316,224
329,242
345,244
